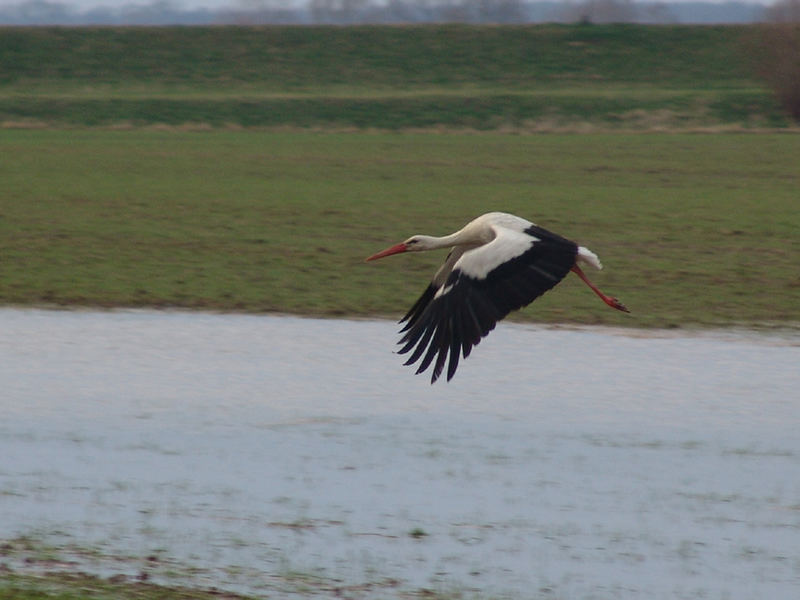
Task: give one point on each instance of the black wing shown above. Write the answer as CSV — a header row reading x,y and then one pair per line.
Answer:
x,y
451,319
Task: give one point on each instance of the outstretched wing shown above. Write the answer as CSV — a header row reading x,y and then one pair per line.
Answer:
x,y
484,285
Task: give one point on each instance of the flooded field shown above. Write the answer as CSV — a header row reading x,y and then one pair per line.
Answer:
x,y
282,456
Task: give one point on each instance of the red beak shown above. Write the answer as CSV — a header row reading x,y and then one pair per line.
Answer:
x,y
396,249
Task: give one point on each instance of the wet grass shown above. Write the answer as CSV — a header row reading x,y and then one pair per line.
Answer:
x,y
40,571
33,569
81,586
693,229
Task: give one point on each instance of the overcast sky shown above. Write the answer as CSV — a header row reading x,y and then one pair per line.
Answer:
x,y
214,4
82,4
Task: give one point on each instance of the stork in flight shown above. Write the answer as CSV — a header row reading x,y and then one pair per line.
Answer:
x,y
498,263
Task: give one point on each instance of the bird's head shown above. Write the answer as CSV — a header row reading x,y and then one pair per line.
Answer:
x,y
415,243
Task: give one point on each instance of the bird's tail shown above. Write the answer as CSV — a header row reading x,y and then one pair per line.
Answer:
x,y
588,257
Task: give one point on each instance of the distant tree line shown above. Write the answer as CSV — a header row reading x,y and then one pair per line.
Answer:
x,y
775,50
352,12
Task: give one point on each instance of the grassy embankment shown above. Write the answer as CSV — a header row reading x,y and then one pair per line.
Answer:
x,y
519,78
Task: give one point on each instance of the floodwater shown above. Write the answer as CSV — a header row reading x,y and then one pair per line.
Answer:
x,y
282,456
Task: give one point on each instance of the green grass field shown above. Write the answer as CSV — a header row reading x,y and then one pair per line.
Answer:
x,y
693,229
217,178
525,78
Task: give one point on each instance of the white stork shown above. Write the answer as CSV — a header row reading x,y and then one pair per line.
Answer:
x,y
498,263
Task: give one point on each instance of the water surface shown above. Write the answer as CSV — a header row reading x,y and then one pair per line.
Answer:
x,y
278,454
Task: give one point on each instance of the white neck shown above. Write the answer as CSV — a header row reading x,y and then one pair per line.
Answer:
x,y
429,242
473,234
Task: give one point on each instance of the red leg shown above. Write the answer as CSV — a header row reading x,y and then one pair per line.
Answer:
x,y
612,302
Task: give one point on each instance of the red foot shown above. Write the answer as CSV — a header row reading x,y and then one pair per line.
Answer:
x,y
612,302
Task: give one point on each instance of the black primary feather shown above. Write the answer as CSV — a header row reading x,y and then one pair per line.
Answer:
x,y
454,322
